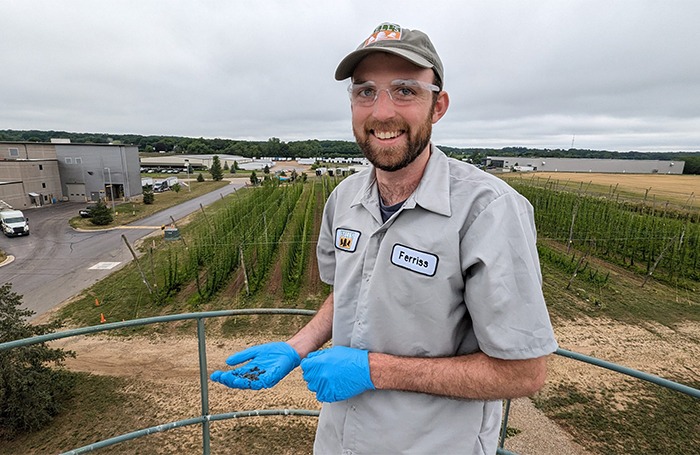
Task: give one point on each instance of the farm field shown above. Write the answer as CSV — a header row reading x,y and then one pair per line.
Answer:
x,y
602,301
679,190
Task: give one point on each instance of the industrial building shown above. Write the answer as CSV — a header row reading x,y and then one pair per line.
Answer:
x,y
520,163
196,162
33,174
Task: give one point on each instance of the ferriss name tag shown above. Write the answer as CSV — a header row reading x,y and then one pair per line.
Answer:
x,y
414,260
346,239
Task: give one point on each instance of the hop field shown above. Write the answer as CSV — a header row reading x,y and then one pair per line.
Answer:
x,y
620,269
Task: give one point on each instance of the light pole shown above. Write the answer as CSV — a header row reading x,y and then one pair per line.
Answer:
x,y
189,184
111,187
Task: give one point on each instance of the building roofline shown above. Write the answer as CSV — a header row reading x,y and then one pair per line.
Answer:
x,y
64,144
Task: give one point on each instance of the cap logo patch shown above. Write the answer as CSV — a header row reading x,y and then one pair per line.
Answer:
x,y
386,31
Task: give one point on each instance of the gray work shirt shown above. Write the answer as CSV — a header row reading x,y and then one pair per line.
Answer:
x,y
454,271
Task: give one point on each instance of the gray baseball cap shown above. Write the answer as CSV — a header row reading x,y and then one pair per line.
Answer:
x,y
412,45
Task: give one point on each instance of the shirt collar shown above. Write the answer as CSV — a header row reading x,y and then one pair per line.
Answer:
x,y
432,193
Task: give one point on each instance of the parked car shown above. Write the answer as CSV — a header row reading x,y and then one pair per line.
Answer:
x,y
87,211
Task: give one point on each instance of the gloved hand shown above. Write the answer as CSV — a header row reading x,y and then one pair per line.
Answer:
x,y
337,373
269,363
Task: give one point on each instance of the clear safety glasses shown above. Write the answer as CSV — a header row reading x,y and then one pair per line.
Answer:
x,y
403,92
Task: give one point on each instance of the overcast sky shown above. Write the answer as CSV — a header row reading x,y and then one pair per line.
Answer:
x,y
609,75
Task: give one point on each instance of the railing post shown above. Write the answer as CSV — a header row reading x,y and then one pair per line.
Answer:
x,y
204,384
504,427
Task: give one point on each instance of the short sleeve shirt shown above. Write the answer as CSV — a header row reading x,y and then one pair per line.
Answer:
x,y
454,271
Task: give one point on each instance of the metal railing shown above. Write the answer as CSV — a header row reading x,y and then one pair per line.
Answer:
x,y
205,418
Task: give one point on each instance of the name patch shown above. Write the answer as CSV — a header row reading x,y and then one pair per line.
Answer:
x,y
346,239
414,260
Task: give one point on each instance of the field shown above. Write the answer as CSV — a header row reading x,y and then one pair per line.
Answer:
x,y
255,249
680,190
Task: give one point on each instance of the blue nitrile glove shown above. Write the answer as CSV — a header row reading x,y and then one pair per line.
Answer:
x,y
337,373
269,363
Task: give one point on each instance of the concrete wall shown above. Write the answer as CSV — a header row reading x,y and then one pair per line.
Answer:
x,y
94,167
12,194
27,151
38,180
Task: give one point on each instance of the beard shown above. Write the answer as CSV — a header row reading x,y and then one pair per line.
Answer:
x,y
394,158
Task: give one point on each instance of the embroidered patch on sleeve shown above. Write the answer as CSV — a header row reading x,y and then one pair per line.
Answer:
x,y
346,239
414,260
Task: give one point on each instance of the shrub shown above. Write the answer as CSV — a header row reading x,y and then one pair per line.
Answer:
x,y
148,197
101,214
200,177
31,393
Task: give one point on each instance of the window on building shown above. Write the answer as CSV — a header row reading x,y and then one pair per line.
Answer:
x,y
69,160
43,185
14,153
41,167
78,160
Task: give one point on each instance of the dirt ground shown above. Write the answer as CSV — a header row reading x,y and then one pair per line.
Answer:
x,y
168,376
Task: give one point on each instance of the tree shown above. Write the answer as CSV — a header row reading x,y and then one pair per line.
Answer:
x,y
266,169
31,393
200,177
176,187
253,178
217,174
225,165
101,214
148,197
692,164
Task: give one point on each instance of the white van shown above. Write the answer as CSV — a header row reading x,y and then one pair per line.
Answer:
x,y
14,223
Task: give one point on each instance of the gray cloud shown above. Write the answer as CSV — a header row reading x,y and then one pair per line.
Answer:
x,y
620,75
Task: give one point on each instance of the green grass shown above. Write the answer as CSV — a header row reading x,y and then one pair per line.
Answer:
x,y
128,212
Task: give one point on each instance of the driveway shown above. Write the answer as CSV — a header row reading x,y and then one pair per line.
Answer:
x,y
55,262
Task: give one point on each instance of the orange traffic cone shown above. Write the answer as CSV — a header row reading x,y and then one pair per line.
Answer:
x,y
97,302
102,318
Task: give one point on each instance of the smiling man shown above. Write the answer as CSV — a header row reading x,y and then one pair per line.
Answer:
x,y
437,311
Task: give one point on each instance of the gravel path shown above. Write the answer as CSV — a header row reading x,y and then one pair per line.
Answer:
x,y
538,434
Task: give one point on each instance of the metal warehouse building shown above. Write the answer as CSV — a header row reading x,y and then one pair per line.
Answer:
x,y
33,174
611,166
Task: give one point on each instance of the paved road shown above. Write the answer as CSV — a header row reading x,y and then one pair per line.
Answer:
x,y
55,262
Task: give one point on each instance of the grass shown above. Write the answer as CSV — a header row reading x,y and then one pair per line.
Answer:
x,y
620,297
128,212
97,406
658,421
103,407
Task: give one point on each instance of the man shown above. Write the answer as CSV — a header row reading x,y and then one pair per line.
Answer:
x,y
437,312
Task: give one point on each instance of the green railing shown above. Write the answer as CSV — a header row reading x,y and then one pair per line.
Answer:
x,y
205,418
